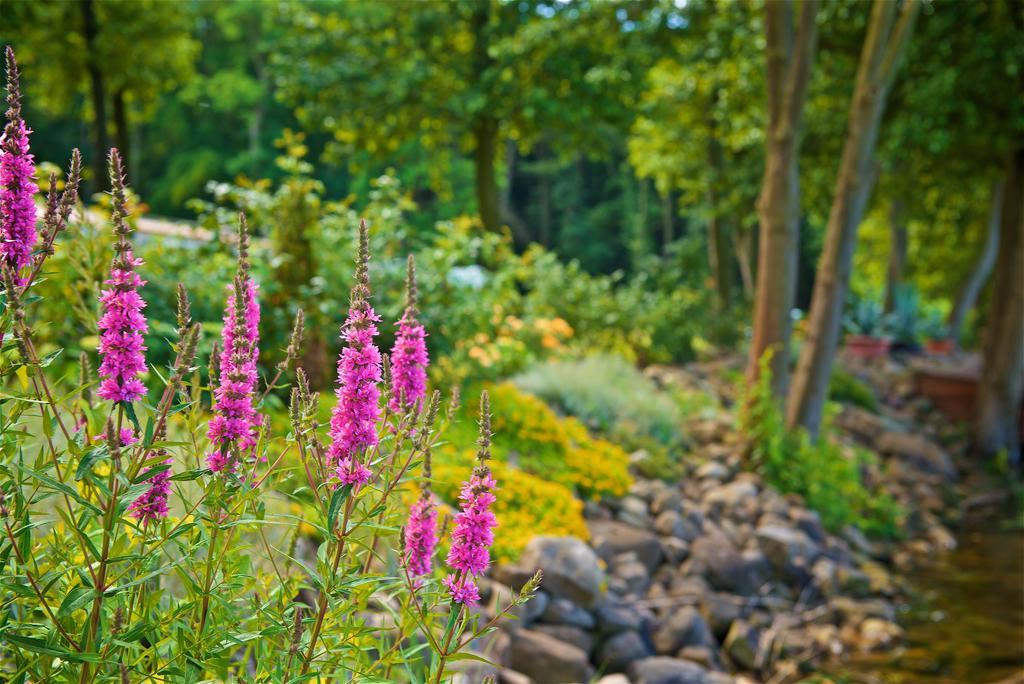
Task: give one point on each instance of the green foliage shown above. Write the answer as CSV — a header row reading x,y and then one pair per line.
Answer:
x,y
864,316
825,474
610,395
845,387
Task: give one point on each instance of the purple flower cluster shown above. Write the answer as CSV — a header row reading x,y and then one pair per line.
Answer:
x,y
409,358
354,418
122,323
473,535
421,535
17,189
153,503
235,421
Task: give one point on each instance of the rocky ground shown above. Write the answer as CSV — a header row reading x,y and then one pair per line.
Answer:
x,y
719,578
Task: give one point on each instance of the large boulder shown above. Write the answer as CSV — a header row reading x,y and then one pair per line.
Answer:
x,y
683,627
619,651
547,660
611,538
571,569
725,568
666,670
920,452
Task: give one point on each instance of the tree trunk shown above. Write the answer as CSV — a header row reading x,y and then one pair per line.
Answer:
x,y
788,70
98,94
719,246
978,276
897,252
742,246
506,210
668,228
485,134
1002,377
485,126
884,44
122,134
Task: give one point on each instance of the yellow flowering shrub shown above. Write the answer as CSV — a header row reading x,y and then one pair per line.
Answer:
x,y
529,435
526,506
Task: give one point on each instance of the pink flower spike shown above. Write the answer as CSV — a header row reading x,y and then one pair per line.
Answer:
x,y
235,423
17,187
354,418
122,323
421,536
409,358
473,535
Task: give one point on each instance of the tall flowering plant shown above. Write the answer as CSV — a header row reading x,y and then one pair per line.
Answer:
x,y
164,524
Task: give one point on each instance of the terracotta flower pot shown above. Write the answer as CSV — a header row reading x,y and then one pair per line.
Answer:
x,y
867,346
939,347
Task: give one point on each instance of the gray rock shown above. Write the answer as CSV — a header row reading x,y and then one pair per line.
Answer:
x,y
633,574
684,627
633,510
571,569
790,551
877,634
743,645
513,575
667,500
920,452
702,655
617,652
716,558
674,550
611,538
720,610
809,522
561,611
617,617
846,609
570,635
730,496
614,679
507,676
712,470
547,660
667,670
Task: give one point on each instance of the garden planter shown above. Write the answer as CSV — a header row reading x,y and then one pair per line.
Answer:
x,y
952,391
939,347
867,346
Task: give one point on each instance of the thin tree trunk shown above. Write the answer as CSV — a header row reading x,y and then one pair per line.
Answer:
x,y
897,252
1002,377
884,45
971,288
485,126
788,71
507,212
668,228
742,240
719,246
485,134
98,94
122,133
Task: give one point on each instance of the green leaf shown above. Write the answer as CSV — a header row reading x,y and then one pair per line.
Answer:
x,y
63,488
76,598
89,459
40,646
337,498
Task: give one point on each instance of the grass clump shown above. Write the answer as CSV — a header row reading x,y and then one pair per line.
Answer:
x,y
845,387
610,395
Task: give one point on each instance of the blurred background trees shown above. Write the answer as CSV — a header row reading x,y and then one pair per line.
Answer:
x,y
706,167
